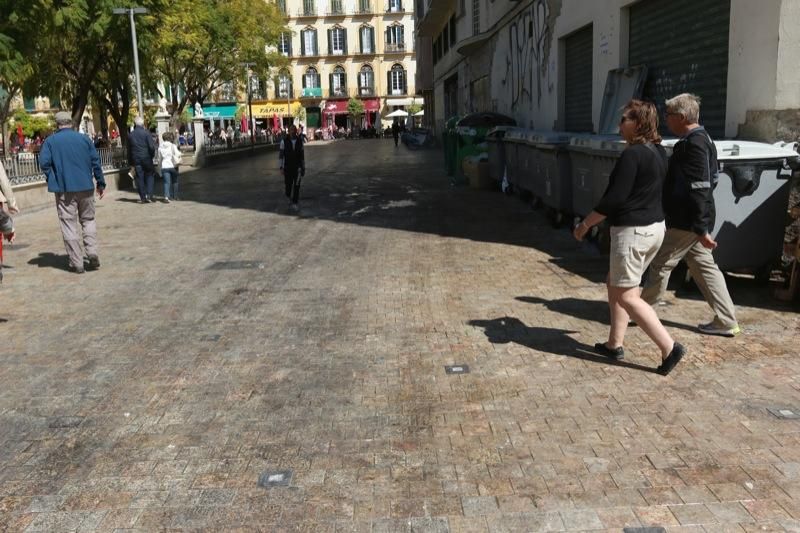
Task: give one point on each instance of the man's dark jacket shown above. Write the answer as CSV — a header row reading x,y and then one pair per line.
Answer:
x,y
294,158
689,187
141,148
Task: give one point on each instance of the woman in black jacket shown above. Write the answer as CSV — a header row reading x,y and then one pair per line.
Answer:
x,y
632,204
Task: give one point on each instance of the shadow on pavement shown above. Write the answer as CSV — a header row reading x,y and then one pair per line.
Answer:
x,y
51,260
371,183
555,341
593,310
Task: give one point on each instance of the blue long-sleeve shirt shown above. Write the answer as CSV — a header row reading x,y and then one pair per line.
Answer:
x,y
70,162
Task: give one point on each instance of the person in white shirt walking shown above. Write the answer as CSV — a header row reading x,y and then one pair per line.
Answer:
x,y
170,157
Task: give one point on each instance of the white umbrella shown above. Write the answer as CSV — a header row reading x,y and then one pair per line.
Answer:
x,y
397,113
420,114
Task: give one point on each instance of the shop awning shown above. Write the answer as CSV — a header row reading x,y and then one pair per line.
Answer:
x,y
217,111
335,107
404,101
372,104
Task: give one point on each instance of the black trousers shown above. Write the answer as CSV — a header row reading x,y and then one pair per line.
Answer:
x,y
292,182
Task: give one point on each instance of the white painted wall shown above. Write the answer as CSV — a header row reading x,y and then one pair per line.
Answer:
x,y
752,65
788,85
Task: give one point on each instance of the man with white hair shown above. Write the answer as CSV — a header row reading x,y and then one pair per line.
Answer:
x,y
71,165
689,208
141,151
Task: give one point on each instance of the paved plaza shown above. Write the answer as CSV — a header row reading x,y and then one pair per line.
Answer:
x,y
235,365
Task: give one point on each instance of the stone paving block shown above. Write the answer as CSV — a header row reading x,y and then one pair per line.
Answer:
x,y
693,514
584,519
655,516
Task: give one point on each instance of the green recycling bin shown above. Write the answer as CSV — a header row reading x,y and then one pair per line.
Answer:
x,y
471,138
450,143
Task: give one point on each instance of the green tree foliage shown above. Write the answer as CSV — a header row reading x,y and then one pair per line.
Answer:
x,y
16,67
355,107
413,109
201,44
33,124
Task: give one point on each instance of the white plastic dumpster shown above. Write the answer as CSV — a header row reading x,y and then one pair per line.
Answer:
x,y
751,199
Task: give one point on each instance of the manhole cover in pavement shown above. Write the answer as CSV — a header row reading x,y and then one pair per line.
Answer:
x,y
235,265
785,412
275,478
212,338
457,369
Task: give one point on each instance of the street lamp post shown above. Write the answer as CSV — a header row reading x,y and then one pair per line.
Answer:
x,y
131,11
250,125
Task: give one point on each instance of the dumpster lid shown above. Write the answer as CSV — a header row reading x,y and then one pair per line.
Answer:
x,y
498,131
549,137
728,150
516,134
622,85
486,120
597,142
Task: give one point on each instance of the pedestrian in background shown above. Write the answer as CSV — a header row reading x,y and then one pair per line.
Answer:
x,y
690,216
395,132
632,205
141,151
170,157
71,165
293,165
7,199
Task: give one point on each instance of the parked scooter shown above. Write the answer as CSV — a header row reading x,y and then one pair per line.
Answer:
x,y
417,138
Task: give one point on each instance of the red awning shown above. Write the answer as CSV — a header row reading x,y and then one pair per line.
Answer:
x,y
336,107
372,104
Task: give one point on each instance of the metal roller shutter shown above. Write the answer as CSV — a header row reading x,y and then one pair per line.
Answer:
x,y
578,80
684,44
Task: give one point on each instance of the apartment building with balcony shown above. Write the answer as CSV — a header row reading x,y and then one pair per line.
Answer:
x,y
338,49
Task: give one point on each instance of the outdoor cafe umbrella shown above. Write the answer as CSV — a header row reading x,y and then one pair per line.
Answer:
x,y
397,113
420,114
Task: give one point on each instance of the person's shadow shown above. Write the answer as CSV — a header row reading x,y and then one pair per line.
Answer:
x,y
51,260
555,341
593,310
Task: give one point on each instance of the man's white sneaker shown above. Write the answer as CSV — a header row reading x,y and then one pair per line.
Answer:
x,y
714,329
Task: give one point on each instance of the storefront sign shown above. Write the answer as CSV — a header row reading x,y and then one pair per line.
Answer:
x,y
276,107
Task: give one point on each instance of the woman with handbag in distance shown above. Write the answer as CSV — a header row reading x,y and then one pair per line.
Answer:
x,y
632,205
170,157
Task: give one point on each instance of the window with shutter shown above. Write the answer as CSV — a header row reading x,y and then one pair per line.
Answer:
x,y
337,42
309,38
397,80
366,81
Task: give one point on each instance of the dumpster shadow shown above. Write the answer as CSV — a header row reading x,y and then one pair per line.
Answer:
x,y
591,310
549,340
51,260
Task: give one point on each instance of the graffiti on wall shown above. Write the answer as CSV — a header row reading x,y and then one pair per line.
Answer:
x,y
529,41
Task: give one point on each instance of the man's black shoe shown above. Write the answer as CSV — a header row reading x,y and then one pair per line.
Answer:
x,y
617,354
93,262
674,357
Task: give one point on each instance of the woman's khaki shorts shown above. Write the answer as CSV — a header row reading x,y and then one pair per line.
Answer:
x,y
632,250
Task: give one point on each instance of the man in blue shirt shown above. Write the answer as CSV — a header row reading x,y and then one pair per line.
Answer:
x,y
71,164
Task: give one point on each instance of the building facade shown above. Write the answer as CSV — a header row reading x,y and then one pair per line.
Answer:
x,y
338,49
545,62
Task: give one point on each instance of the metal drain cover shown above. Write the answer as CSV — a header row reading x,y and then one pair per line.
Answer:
x,y
275,478
236,265
785,413
457,369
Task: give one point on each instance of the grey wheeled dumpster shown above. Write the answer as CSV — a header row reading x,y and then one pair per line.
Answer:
x,y
592,158
552,176
751,199
516,169
497,152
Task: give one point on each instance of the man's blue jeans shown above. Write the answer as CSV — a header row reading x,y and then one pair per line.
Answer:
x,y
145,178
170,176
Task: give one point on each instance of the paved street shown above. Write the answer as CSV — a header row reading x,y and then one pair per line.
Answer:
x,y
234,365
